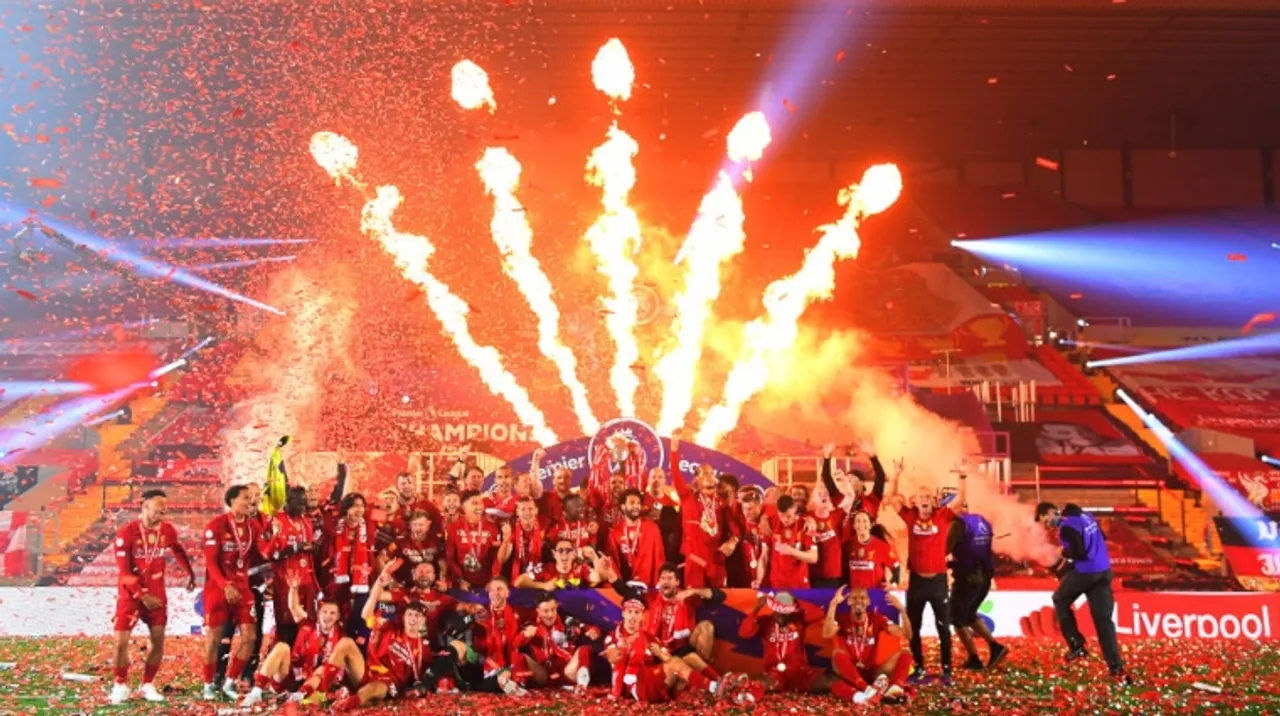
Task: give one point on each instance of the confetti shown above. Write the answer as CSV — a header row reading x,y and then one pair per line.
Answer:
x,y
1049,164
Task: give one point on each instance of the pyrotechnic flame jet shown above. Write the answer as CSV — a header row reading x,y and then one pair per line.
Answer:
x,y
615,236
500,172
412,252
786,298
716,237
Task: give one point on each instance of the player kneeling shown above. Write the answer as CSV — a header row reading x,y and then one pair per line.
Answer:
x,y
868,657
286,668
647,672
786,666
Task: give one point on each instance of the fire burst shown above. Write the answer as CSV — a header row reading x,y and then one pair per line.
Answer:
x,y
786,298
716,237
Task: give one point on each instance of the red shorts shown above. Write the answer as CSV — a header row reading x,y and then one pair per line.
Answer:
x,y
651,686
217,611
797,679
698,577
130,611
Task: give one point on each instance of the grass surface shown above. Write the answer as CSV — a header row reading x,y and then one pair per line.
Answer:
x,y
1032,680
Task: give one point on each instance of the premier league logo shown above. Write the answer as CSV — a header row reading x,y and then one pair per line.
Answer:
x,y
627,445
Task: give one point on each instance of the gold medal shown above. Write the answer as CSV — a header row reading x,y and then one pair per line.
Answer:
x,y
755,563
303,562
239,564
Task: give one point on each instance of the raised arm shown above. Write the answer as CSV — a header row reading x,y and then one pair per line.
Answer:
x,y
535,470
626,591
750,626
877,487
829,626
829,480
677,479
962,495
340,485
379,587
298,611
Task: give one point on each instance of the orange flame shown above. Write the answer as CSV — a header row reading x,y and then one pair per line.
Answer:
x,y
785,299
411,253
335,154
511,232
471,86
717,236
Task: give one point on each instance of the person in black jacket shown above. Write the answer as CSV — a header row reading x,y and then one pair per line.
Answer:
x,y
862,501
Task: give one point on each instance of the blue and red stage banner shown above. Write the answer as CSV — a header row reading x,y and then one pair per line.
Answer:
x,y
602,608
1252,548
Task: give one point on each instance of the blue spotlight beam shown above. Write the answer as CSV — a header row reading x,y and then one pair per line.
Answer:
x,y
19,389
1261,344
37,431
85,333
1225,496
145,267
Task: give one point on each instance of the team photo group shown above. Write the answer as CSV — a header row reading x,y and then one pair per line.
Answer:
x,y
405,597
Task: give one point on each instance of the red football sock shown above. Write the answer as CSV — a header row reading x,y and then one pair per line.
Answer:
x,y
898,676
845,668
149,672
122,674
698,682
711,674
208,673
277,682
234,668
262,681
843,690
328,674
350,703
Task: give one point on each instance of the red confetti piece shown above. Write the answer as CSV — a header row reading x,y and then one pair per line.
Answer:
x,y
42,139
839,55
1237,257
790,107
1077,296
46,183
49,201
1047,164
1111,77
26,294
1067,67
1259,318
1008,195
993,80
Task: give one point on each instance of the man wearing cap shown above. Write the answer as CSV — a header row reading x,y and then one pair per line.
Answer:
x,y
1087,566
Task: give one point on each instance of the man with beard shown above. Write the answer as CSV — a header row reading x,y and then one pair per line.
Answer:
x,y
854,487
450,509
827,526
563,573
292,552
868,657
526,541
487,665
323,514
706,531
755,548
786,665
635,544
606,508
411,501
557,651
472,547
646,671
289,664
577,528
500,502
387,602
140,550
673,613
791,549
420,545
662,505
551,503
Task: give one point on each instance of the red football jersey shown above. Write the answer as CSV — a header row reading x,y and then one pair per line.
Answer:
x,y
140,556
670,621
861,639
826,536
637,549
288,533
415,552
582,533
473,551
406,658
635,657
228,546
785,571
783,644
868,562
927,539
504,504
311,648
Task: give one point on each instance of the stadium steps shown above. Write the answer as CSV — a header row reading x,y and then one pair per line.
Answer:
x,y
75,518
112,461
1183,517
1105,385
149,429
1123,414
